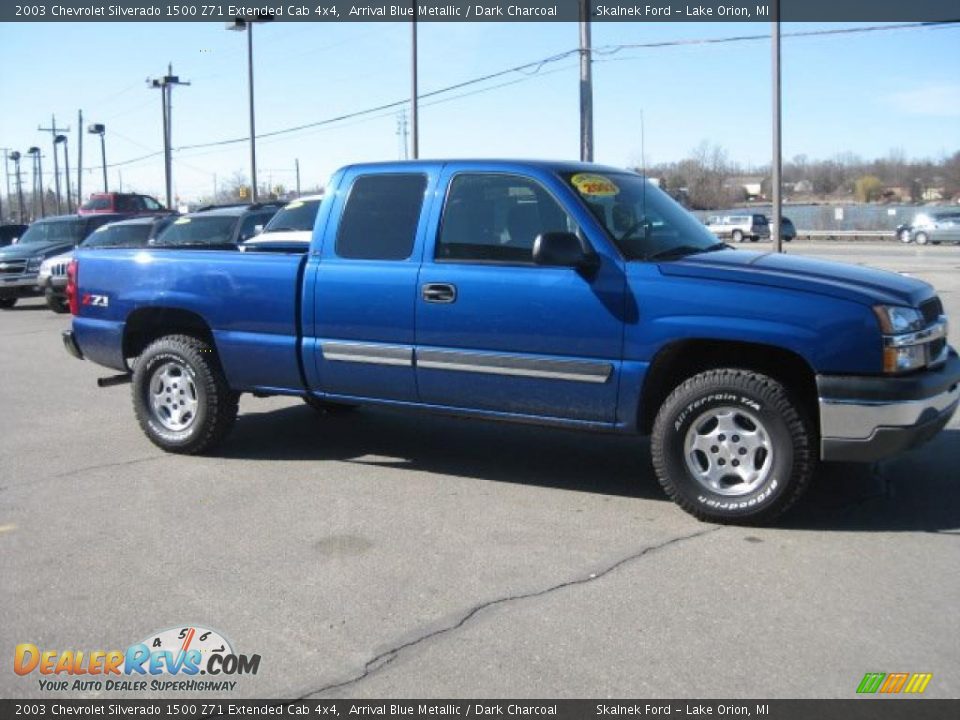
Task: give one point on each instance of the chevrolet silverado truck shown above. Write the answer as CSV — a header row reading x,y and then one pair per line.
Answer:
x,y
570,295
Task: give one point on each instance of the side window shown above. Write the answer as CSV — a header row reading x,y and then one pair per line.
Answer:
x,y
380,219
126,204
149,203
493,217
249,226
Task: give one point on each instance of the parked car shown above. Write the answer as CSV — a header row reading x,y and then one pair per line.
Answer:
x,y
739,228
125,203
291,229
936,227
563,294
10,233
219,226
136,232
20,263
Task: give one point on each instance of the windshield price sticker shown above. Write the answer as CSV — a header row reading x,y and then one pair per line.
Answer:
x,y
594,185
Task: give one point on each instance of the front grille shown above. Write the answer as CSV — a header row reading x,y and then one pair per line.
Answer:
x,y
13,267
931,309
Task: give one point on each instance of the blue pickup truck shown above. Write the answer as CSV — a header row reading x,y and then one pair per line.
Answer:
x,y
562,294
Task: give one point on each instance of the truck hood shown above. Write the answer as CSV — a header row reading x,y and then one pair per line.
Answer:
x,y
30,250
842,280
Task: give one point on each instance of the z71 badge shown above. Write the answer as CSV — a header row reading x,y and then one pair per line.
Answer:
x,y
95,300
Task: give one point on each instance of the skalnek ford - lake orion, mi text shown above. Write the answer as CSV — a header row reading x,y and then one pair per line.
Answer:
x,y
678,11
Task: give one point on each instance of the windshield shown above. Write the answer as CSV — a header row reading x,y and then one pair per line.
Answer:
x,y
59,231
298,215
118,236
199,230
641,219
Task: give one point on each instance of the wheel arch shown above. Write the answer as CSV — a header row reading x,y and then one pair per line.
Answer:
x,y
683,359
144,325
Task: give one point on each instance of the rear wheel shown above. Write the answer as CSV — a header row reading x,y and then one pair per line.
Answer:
x,y
737,236
7,302
921,238
731,446
56,302
181,397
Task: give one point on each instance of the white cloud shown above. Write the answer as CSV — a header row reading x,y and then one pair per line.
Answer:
x,y
934,100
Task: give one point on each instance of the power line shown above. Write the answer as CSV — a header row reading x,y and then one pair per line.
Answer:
x,y
534,68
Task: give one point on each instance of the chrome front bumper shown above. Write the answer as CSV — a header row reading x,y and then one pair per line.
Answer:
x,y
868,418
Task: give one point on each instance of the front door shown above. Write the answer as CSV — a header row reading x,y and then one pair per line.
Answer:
x,y
496,332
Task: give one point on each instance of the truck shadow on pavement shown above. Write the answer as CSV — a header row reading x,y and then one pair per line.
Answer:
x,y
918,491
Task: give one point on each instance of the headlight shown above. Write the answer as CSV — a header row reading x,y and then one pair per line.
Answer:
x,y
33,264
895,320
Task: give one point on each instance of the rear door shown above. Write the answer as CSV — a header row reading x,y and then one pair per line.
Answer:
x,y
366,284
495,332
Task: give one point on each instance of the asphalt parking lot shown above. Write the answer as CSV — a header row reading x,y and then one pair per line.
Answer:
x,y
388,555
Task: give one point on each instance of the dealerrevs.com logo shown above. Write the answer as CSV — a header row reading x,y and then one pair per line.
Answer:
x,y
169,660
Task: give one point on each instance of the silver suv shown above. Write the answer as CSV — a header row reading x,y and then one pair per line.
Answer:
x,y
739,227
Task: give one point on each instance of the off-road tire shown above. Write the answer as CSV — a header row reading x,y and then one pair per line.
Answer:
x,y
793,454
217,404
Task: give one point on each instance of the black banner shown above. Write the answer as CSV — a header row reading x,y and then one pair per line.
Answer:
x,y
856,709
482,11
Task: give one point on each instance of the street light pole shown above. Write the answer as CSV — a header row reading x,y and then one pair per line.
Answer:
x,y
414,105
79,158
15,156
66,167
101,129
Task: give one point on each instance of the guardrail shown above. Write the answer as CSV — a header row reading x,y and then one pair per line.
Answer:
x,y
853,235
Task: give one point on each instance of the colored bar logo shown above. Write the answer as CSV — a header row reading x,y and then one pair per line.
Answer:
x,y
913,683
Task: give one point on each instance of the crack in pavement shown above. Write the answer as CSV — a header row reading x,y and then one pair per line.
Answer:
x,y
78,471
381,660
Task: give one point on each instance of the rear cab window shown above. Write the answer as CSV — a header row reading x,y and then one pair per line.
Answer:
x,y
381,216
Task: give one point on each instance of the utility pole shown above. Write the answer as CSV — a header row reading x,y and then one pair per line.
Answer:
x,y
296,166
166,85
414,114
777,153
6,176
586,85
15,156
79,158
54,131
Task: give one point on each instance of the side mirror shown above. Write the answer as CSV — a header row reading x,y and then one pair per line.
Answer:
x,y
563,249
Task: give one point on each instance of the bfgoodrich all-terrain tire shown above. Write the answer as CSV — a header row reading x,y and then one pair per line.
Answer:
x,y
180,396
731,446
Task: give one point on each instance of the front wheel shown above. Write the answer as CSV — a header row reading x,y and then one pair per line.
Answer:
x,y
904,236
180,396
921,238
7,302
731,446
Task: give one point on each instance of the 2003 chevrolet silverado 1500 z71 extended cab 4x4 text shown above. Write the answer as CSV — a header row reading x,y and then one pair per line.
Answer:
x,y
562,294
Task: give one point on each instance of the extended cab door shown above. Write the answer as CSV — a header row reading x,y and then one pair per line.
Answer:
x,y
495,332
366,280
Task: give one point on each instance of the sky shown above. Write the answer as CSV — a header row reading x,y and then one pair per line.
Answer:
x,y
867,94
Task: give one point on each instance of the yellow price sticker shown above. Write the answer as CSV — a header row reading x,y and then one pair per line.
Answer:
x,y
595,185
